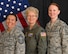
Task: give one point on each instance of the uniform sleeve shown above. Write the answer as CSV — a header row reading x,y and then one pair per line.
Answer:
x,y
1,45
20,44
42,44
64,39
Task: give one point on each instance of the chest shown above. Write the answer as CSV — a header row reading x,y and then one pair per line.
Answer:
x,y
53,32
8,39
31,37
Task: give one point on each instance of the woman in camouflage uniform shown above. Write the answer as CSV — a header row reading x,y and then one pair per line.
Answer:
x,y
12,40
57,32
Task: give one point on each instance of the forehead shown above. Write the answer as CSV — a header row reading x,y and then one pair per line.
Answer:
x,y
11,16
31,12
53,7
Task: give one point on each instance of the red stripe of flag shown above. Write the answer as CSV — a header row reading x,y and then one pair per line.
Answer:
x,y
2,27
22,20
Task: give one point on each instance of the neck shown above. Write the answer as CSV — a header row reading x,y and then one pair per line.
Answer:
x,y
9,29
31,26
53,20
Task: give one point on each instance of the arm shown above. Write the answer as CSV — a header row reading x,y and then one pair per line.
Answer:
x,y
64,35
20,44
42,43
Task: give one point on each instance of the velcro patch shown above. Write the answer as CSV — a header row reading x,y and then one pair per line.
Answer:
x,y
43,34
30,34
20,39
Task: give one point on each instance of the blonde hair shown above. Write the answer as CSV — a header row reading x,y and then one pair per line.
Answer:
x,y
33,9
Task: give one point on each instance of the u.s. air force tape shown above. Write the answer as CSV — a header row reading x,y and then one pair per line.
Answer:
x,y
20,39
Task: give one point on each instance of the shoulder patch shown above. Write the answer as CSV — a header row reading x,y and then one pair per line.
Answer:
x,y
43,33
20,39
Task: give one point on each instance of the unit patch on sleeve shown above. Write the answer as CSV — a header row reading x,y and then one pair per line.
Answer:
x,y
20,39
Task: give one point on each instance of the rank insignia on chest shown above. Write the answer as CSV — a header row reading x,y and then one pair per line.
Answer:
x,y
30,34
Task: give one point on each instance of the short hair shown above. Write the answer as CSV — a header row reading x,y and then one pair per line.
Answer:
x,y
53,3
13,15
33,9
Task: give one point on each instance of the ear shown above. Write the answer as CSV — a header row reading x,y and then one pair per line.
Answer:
x,y
16,22
36,19
58,12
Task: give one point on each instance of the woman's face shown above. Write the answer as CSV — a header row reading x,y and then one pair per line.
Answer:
x,y
53,11
11,21
31,17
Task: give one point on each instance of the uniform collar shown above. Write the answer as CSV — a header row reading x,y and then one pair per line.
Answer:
x,y
12,31
36,25
55,24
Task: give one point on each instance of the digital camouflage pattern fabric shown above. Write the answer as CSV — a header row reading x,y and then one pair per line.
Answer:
x,y
12,42
57,37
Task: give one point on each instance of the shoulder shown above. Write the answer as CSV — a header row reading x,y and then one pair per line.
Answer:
x,y
19,36
63,27
18,32
3,32
62,23
48,24
25,29
39,28
40,31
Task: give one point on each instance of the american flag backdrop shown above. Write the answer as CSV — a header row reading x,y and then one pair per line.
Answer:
x,y
13,6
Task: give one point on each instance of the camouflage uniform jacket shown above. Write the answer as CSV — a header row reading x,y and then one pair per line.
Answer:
x,y
12,42
57,37
35,42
